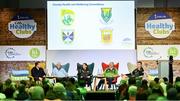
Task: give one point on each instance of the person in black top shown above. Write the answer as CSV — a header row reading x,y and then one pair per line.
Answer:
x,y
84,74
171,69
37,72
139,71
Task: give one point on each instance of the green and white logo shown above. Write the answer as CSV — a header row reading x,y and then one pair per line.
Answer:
x,y
34,53
106,14
67,16
173,51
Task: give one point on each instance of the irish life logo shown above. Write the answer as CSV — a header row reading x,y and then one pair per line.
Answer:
x,y
22,25
160,25
173,51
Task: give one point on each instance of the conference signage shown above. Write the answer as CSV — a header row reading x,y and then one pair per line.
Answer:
x,y
22,53
161,52
86,25
22,25
160,25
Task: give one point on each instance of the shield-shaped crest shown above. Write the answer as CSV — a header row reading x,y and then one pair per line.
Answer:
x,y
68,36
67,16
106,35
106,14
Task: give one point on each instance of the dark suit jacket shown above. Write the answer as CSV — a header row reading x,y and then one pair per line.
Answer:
x,y
37,73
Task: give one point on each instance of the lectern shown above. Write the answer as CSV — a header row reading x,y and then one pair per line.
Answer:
x,y
163,68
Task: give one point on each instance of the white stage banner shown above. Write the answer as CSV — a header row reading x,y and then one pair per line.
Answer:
x,y
158,52
22,53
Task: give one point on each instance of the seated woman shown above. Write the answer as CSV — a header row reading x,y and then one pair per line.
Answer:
x,y
84,74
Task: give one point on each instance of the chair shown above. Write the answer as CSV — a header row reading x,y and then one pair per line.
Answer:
x,y
105,66
131,67
90,67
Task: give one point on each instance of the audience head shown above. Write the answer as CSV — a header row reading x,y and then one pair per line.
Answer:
x,y
156,80
2,97
165,80
177,79
123,81
132,90
178,96
171,94
177,86
142,94
153,97
8,82
36,93
132,81
9,92
144,84
157,89
59,91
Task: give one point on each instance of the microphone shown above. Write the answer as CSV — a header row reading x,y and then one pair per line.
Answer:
x,y
157,61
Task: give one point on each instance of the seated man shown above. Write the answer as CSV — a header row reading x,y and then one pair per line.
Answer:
x,y
58,71
37,72
110,73
139,71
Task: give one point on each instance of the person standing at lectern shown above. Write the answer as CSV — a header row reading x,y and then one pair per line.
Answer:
x,y
171,69
37,72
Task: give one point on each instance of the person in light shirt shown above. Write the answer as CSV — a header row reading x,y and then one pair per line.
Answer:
x,y
58,71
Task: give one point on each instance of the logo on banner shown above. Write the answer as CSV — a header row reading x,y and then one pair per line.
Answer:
x,y
160,25
173,51
149,52
67,16
34,53
22,25
127,41
11,53
106,35
67,36
106,14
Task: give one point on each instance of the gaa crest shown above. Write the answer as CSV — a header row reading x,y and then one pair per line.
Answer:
x,y
67,16
67,36
106,14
